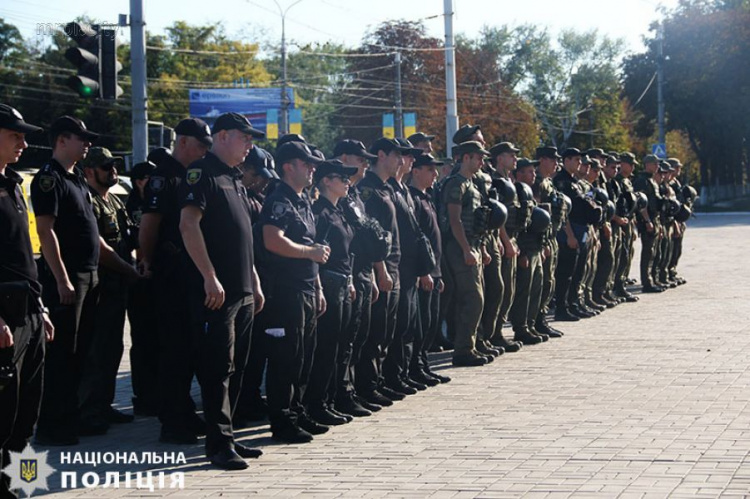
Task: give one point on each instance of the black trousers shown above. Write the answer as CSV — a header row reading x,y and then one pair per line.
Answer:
x,y
355,336
401,347
99,374
74,326
382,325
428,324
177,354
223,339
20,398
250,394
144,349
290,315
329,340
566,265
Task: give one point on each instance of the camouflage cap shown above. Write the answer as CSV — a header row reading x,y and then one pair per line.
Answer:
x,y
674,162
99,156
524,162
469,147
628,157
650,158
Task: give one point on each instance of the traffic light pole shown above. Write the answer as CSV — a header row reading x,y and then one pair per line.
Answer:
x,y
138,79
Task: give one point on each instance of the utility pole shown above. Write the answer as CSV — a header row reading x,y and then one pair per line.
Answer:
x,y
451,109
399,106
284,118
660,81
138,79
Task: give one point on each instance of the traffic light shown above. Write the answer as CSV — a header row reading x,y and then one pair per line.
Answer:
x,y
96,60
86,58
109,66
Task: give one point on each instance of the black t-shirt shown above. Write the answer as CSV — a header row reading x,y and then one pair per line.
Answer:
x,y
162,195
255,201
217,190
16,257
406,230
66,197
293,214
426,215
333,230
378,198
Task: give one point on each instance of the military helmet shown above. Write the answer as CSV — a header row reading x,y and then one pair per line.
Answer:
x,y
625,204
568,202
641,201
540,221
610,210
506,192
684,214
498,214
524,192
689,193
671,207
600,196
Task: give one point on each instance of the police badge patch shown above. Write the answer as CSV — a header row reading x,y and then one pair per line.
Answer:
x,y
193,176
366,193
279,209
156,183
46,183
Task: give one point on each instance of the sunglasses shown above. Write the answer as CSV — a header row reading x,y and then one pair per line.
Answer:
x,y
343,178
107,167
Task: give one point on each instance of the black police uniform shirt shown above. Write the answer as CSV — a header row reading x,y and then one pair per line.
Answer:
x,y
378,198
293,214
354,209
426,215
65,196
333,230
217,190
162,196
568,185
255,201
404,216
16,256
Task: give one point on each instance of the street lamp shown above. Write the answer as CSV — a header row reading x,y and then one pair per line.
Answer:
x,y
284,125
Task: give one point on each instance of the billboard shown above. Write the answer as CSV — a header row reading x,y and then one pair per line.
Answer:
x,y
208,103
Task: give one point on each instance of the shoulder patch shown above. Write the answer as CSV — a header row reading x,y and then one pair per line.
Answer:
x,y
46,182
156,183
193,176
279,209
366,193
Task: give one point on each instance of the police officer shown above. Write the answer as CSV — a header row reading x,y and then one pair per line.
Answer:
x,y
648,222
144,339
163,257
377,195
224,289
332,181
353,153
99,374
258,171
546,193
622,272
611,247
295,298
423,176
462,251
70,254
677,187
22,335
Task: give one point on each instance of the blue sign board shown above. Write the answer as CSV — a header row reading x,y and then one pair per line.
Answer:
x,y
208,103
659,150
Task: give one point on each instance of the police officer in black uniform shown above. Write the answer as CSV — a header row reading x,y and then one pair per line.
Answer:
x,y
163,257
70,255
225,291
289,270
24,322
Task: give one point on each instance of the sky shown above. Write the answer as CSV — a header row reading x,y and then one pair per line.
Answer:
x,y
343,21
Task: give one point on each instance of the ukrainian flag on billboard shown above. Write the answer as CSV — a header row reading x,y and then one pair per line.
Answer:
x,y
410,124
295,121
272,124
389,130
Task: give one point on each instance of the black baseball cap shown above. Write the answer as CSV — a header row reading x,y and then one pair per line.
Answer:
x,y
464,133
571,151
426,160
290,137
353,147
11,119
69,124
333,167
261,161
295,150
547,152
235,121
413,151
142,170
502,147
194,127
387,145
420,137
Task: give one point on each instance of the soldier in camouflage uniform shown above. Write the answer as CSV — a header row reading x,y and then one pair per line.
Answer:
x,y
679,192
649,227
627,209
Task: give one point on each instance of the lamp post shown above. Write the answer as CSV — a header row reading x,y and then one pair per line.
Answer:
x,y
284,125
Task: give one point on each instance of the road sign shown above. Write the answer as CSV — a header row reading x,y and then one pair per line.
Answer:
x,y
659,150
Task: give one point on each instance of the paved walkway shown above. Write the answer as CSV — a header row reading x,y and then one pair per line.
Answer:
x,y
648,399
